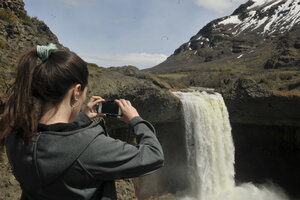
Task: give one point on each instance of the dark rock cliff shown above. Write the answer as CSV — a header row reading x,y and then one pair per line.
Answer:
x,y
248,103
265,128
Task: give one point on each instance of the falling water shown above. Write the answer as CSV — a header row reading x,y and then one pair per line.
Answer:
x,y
210,152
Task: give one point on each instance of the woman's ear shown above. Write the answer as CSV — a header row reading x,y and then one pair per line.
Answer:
x,y
77,92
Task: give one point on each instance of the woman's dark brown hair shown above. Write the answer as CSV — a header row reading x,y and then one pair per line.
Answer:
x,y
37,83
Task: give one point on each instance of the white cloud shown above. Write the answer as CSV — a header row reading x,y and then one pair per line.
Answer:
x,y
220,6
140,60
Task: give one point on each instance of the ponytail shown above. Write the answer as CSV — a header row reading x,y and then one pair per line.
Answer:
x,y
37,84
20,111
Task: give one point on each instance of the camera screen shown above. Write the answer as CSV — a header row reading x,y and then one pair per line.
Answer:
x,y
110,107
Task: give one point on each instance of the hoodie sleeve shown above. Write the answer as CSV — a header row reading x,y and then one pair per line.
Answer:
x,y
109,159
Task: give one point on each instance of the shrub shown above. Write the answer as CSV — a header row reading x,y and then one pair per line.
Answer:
x,y
2,44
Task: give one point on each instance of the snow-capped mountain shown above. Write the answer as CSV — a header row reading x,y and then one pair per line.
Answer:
x,y
265,16
272,25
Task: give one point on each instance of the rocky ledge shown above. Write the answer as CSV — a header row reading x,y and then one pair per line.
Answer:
x,y
248,103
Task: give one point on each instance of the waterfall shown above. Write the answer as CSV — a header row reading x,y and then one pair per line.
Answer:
x,y
210,152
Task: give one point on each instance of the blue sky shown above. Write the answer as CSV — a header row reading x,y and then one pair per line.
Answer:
x,y
142,33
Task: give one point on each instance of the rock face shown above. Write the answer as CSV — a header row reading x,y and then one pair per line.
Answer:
x,y
265,128
15,6
248,103
18,32
268,153
9,187
148,93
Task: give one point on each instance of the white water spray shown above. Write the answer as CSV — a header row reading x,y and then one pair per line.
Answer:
x,y
210,152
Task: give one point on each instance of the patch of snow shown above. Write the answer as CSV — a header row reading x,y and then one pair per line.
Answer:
x,y
258,3
271,5
202,38
261,22
240,56
269,24
234,19
195,52
288,20
294,14
248,22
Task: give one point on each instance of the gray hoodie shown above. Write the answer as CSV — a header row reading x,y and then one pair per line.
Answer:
x,y
81,164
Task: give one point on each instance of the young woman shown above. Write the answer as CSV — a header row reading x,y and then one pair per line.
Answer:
x,y
56,151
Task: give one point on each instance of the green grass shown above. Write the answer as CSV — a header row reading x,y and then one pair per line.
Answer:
x,y
26,20
8,16
2,44
174,75
39,35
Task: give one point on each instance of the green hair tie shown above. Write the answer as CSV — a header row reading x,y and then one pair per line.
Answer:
x,y
45,51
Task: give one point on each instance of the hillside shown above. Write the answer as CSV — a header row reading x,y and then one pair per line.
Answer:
x,y
260,40
18,32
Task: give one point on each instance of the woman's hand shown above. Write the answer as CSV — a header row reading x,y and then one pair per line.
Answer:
x,y
90,109
128,111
